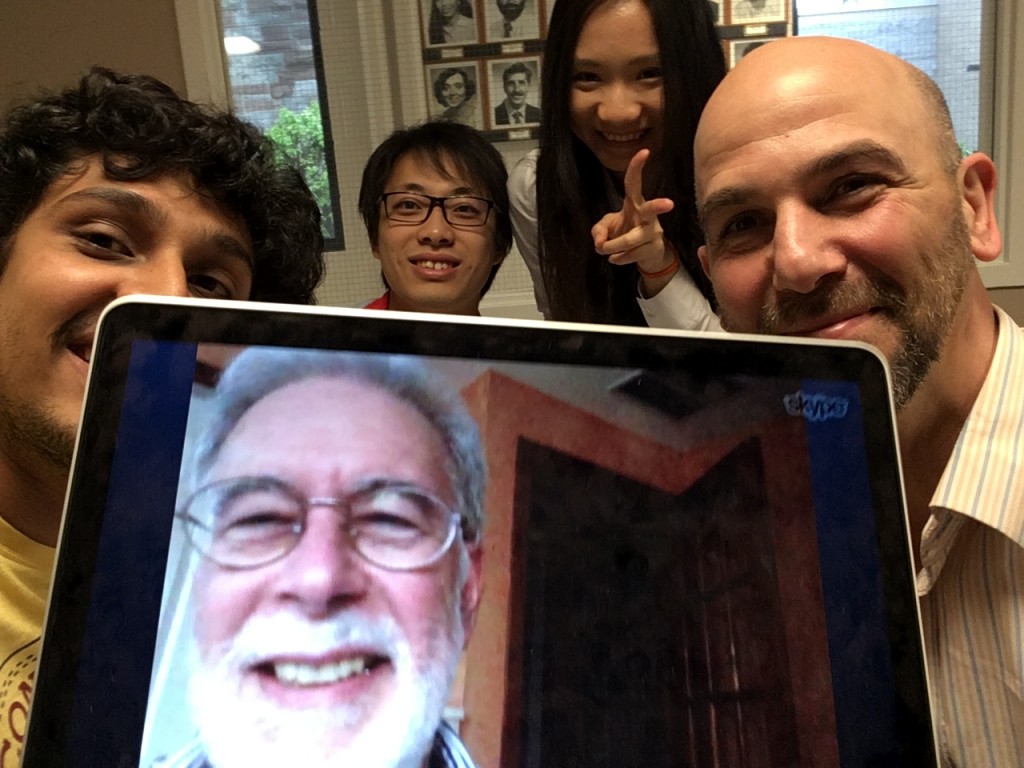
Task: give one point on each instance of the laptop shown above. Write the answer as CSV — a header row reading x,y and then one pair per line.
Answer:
x,y
694,549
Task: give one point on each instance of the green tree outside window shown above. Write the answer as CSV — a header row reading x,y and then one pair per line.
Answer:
x,y
299,137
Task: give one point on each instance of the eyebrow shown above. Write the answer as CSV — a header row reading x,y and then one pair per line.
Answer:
x,y
866,150
636,61
457,191
134,203
860,151
140,207
230,246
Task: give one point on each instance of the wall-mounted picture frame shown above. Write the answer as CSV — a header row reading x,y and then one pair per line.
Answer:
x,y
757,11
508,20
513,88
453,92
740,48
448,22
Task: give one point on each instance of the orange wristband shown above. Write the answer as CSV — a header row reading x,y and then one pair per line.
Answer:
x,y
671,268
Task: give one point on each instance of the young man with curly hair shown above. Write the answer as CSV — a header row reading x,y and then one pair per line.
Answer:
x,y
113,187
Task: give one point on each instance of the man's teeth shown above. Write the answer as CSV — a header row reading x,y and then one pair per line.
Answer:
x,y
435,265
321,674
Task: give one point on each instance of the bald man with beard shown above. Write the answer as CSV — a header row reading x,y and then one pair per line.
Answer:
x,y
836,204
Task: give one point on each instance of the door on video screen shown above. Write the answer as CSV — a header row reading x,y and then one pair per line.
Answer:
x,y
652,626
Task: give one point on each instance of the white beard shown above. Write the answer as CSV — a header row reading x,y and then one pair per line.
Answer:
x,y
241,729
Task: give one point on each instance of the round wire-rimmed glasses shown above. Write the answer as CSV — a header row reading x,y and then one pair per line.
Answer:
x,y
415,208
248,522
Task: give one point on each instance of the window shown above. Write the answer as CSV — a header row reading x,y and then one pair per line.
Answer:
x,y
943,39
967,47
275,83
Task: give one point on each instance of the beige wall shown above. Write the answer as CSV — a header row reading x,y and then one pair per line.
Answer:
x,y
47,43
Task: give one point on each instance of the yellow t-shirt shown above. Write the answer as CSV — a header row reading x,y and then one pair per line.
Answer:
x,y
25,567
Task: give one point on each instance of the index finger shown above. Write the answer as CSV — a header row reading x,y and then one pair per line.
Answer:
x,y
633,181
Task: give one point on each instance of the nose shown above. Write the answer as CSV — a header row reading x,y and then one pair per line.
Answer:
x,y
162,274
619,105
803,254
323,572
436,230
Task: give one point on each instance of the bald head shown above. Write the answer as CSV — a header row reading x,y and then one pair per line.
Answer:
x,y
777,79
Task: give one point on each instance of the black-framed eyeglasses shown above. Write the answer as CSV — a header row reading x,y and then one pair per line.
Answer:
x,y
248,522
458,210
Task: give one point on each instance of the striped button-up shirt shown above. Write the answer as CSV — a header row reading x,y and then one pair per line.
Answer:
x,y
971,582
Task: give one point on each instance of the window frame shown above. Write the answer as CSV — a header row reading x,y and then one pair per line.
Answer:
x,y
207,81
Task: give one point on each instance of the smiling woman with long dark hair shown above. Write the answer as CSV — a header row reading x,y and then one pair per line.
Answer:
x,y
620,77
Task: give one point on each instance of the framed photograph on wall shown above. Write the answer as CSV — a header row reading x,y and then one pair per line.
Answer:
x,y
448,22
511,20
513,87
756,11
453,92
740,48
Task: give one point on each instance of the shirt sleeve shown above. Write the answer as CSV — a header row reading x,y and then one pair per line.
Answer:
x,y
522,192
679,305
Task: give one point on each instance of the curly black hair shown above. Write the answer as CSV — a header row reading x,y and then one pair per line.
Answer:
x,y
139,127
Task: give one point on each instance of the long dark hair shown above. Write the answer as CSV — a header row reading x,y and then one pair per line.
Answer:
x,y
572,184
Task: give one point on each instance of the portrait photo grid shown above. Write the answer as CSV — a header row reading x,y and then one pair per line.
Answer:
x,y
482,58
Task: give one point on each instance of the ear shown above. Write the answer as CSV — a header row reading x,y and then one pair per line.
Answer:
x,y
376,253
978,186
469,596
702,254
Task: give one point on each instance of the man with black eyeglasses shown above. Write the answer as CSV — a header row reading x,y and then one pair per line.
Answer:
x,y
435,204
335,523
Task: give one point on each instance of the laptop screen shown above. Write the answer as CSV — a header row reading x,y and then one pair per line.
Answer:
x,y
692,550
